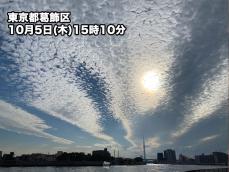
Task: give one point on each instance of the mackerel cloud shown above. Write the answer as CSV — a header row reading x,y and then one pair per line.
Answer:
x,y
84,80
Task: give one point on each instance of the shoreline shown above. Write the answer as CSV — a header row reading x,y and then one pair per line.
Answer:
x,y
64,164
96,164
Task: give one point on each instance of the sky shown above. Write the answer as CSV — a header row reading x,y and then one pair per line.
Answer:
x,y
83,93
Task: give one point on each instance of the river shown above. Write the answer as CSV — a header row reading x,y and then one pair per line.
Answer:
x,y
143,168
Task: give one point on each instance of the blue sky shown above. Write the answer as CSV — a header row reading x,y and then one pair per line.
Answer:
x,y
81,93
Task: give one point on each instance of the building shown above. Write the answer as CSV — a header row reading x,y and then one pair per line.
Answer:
x,y
101,155
220,158
37,157
50,158
8,157
59,153
160,157
182,158
0,154
185,160
170,156
12,154
204,159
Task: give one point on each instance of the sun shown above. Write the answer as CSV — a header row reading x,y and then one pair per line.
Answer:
x,y
151,81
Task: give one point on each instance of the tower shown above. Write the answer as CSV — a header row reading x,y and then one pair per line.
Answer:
x,y
144,149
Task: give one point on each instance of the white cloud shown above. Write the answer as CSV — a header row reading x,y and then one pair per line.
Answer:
x,y
208,138
153,142
203,140
146,48
15,119
121,61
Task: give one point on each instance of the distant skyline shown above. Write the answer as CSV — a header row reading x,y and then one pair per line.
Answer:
x,y
166,79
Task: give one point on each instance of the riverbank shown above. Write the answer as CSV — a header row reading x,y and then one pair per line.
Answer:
x,y
63,164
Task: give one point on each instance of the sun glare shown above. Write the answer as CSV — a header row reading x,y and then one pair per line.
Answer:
x,y
151,81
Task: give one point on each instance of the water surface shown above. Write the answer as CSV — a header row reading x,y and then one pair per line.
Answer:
x,y
145,168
